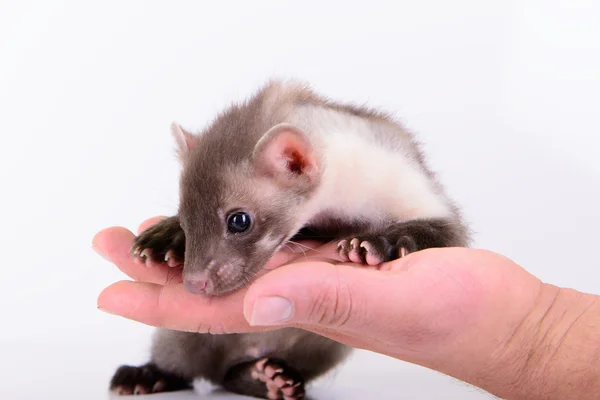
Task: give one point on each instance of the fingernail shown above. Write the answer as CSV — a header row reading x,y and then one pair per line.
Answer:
x,y
100,253
271,311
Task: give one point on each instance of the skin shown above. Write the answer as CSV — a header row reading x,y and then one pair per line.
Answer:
x,y
471,314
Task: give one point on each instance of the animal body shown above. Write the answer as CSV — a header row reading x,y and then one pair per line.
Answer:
x,y
285,164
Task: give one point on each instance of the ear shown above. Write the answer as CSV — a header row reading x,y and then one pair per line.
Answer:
x,y
286,154
185,140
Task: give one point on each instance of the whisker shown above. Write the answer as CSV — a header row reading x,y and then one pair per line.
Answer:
x,y
168,279
303,246
176,275
301,249
171,277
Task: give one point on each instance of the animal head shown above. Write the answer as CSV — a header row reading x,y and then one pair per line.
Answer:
x,y
243,191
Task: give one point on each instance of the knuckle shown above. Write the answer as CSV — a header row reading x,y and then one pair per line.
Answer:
x,y
333,306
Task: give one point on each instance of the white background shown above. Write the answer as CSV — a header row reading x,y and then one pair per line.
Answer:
x,y
504,94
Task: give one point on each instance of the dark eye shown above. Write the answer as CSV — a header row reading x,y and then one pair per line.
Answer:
x,y
238,222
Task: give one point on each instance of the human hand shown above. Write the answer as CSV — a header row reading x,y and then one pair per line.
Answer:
x,y
156,288
471,314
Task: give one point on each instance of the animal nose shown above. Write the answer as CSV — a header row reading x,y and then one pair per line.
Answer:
x,y
197,284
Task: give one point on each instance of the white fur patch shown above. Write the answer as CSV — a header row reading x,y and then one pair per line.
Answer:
x,y
229,272
203,387
254,352
361,177
268,242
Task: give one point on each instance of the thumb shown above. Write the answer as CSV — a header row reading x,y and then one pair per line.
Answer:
x,y
314,293
428,300
453,310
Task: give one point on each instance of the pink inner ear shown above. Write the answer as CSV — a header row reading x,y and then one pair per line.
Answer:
x,y
296,162
189,140
289,152
185,140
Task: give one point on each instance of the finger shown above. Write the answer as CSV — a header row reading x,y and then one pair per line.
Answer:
x,y
173,307
114,244
280,258
345,297
423,302
149,222
314,292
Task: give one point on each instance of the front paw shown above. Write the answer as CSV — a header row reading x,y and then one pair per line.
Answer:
x,y
163,242
146,379
373,250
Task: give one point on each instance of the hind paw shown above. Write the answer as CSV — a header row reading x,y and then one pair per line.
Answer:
x,y
282,382
129,380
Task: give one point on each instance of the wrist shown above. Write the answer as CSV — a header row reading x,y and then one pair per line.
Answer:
x,y
554,353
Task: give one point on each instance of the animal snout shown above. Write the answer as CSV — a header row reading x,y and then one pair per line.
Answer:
x,y
198,283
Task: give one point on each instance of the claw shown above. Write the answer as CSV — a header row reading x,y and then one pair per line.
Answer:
x,y
370,257
159,386
342,249
271,372
354,254
139,389
145,254
260,365
171,260
402,252
279,381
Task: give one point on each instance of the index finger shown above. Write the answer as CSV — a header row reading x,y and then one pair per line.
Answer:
x,y
175,308
114,244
